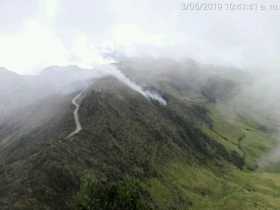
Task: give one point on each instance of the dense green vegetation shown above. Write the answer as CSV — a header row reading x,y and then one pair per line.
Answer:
x,y
133,153
127,194
227,180
183,184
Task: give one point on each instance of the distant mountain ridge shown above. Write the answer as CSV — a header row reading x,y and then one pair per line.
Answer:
x,y
22,90
197,151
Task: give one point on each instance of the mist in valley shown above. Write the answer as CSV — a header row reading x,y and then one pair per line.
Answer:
x,y
121,89
233,90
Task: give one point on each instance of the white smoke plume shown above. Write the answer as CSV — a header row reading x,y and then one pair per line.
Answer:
x,y
109,69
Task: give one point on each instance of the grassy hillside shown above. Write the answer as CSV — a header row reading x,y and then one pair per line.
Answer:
x,y
134,153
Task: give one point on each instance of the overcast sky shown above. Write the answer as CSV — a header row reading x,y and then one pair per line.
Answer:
x,y
37,33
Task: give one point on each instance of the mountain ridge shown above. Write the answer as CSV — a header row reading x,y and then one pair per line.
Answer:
x,y
185,155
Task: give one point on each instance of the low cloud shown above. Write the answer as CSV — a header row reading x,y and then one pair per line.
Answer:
x,y
62,32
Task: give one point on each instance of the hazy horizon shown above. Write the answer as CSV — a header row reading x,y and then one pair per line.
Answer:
x,y
44,33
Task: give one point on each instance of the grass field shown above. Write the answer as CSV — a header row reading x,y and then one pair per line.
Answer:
x,y
223,187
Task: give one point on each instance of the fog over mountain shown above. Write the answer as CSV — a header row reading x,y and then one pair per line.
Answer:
x,y
139,105
89,33
60,32
18,91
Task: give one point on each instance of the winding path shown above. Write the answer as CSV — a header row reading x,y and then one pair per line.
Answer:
x,y
76,115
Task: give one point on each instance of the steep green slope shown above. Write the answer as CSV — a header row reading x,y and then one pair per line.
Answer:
x,y
134,153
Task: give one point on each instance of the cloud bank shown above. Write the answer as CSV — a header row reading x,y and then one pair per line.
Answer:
x,y
60,32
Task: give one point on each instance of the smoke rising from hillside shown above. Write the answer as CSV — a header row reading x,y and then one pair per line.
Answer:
x,y
20,91
91,33
112,70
